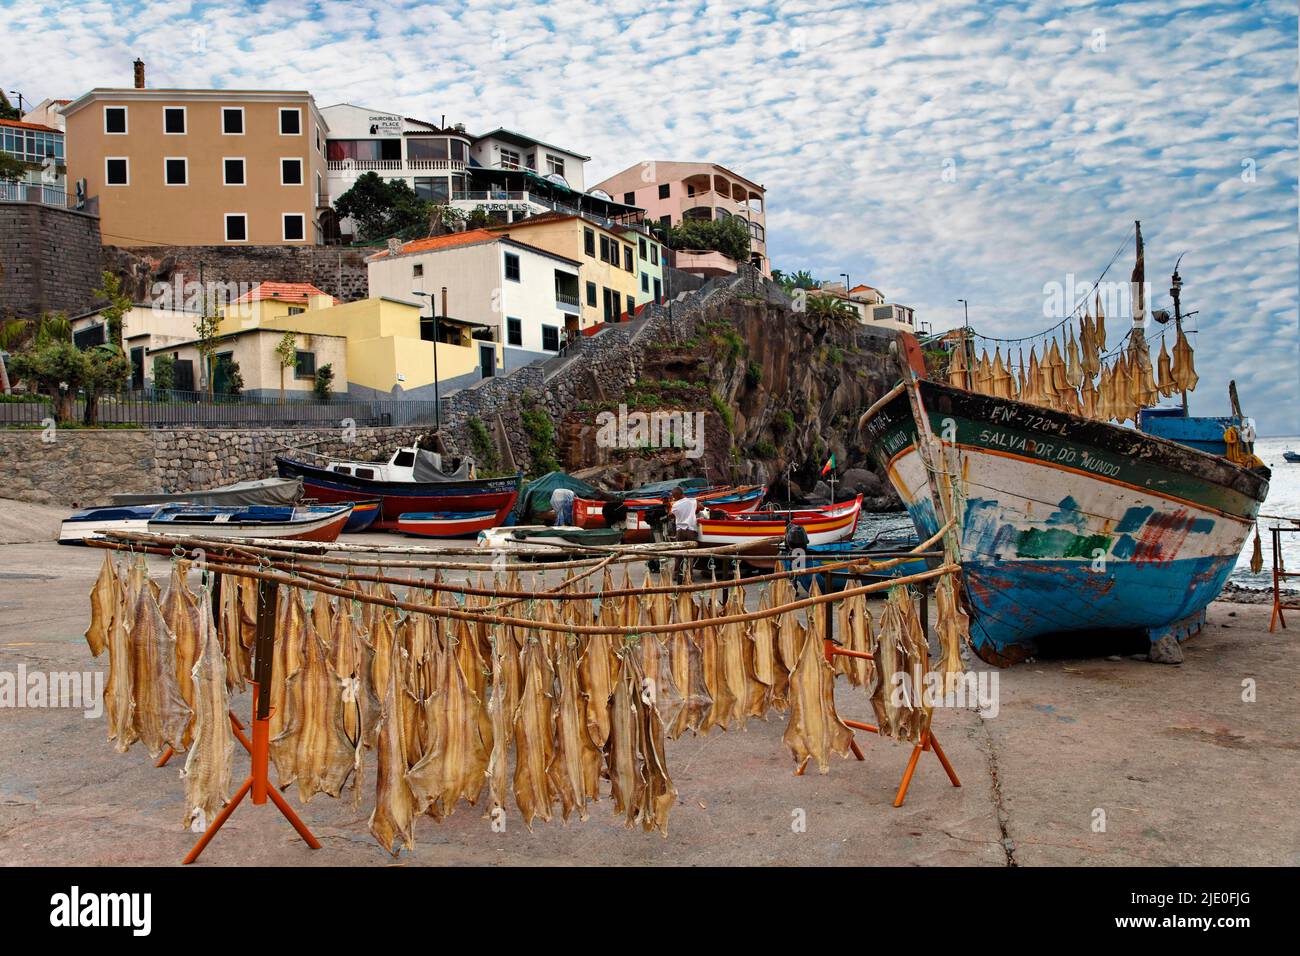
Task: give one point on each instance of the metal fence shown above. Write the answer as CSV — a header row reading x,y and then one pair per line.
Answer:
x,y
159,409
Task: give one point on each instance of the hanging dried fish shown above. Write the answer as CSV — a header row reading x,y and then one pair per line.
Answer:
x,y
350,659
625,779
657,793
885,699
1033,388
655,665
574,773
1001,377
290,629
160,715
854,619
502,719
1089,399
1060,374
104,598
534,735
1184,364
594,677
180,611
1100,324
1073,367
958,374
119,701
314,750
455,767
209,761
761,661
1165,383
954,631
395,809
917,654
238,668
815,730
1091,355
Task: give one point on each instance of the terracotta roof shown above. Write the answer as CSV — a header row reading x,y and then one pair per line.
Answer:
x,y
282,292
448,241
863,288
19,124
539,220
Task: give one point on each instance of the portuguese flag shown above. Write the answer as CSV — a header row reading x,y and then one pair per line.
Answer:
x,y
830,463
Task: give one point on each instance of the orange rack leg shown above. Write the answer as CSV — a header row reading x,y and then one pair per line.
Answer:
x,y
258,785
943,759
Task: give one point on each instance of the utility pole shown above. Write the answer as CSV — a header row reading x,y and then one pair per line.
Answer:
x,y
1175,291
967,343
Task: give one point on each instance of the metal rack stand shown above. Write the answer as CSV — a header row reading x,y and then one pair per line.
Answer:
x,y
1280,574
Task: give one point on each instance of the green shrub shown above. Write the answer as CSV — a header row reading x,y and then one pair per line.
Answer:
x,y
541,436
724,411
753,374
486,456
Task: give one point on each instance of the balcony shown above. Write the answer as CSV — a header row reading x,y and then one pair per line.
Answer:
x,y
443,165
46,195
364,165
705,262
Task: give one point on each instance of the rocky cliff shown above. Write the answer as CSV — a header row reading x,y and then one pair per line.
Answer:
x,y
779,391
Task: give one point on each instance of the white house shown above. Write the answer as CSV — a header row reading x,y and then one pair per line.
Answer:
x,y
521,296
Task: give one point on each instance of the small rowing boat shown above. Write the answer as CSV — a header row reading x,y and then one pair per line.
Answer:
x,y
531,537
824,526
364,514
94,522
445,524
303,523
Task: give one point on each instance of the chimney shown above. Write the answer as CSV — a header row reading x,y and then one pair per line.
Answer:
x,y
444,302
139,74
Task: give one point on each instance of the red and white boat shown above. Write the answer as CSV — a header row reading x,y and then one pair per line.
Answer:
x,y
825,525
446,524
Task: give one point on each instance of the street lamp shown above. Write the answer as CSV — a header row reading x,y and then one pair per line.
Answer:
x,y
437,401
845,277
20,102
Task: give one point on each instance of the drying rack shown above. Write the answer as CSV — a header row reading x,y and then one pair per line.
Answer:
x,y
928,743
1280,574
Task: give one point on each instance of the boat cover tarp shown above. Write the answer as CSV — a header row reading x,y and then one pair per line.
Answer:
x,y
535,497
264,491
661,488
426,468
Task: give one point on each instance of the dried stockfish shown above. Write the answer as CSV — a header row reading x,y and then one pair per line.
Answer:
x,y
208,764
159,716
180,609
395,808
534,735
574,772
119,701
954,631
103,605
814,729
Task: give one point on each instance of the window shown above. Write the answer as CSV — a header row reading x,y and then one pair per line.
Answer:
x,y
296,310
666,221
631,306
290,121
604,248
304,365
320,146
512,267
514,331
115,120
291,172
232,170
645,282
627,259
591,294
629,199
176,171
432,188
589,241
663,191
236,227
116,171
295,227
550,338
510,159
659,290
554,164
654,254
417,271
174,120
232,120
641,248
609,300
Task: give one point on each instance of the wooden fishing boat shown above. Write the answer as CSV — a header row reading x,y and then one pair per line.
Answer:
x,y
1292,456
1063,523
364,514
881,548
835,523
410,481
531,537
589,512
302,523
94,522
446,524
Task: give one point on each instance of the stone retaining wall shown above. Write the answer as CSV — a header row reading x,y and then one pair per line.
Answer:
x,y
85,466
49,259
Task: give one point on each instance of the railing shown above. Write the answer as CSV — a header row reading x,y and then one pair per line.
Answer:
x,y
564,298
485,195
163,409
364,165
46,195
452,165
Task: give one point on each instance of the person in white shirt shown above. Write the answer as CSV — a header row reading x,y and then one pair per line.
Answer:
x,y
685,519
562,505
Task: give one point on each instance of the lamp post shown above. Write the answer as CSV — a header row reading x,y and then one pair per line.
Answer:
x,y
20,102
967,345
437,401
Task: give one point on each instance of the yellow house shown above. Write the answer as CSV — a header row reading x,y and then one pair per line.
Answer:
x,y
607,272
390,343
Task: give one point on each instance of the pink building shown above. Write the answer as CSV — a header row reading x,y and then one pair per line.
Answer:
x,y
671,192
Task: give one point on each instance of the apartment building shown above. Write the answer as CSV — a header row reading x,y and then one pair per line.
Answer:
x,y
671,192
40,148
651,286
504,175
608,260
505,289
200,167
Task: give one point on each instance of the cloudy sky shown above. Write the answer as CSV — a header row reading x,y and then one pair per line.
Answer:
x,y
935,149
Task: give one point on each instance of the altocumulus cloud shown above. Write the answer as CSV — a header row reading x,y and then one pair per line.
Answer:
x,y
1062,121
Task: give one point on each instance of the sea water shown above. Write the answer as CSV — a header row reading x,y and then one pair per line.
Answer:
x,y
1283,500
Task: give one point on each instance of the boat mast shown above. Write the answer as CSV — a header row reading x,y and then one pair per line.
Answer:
x,y
1175,290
